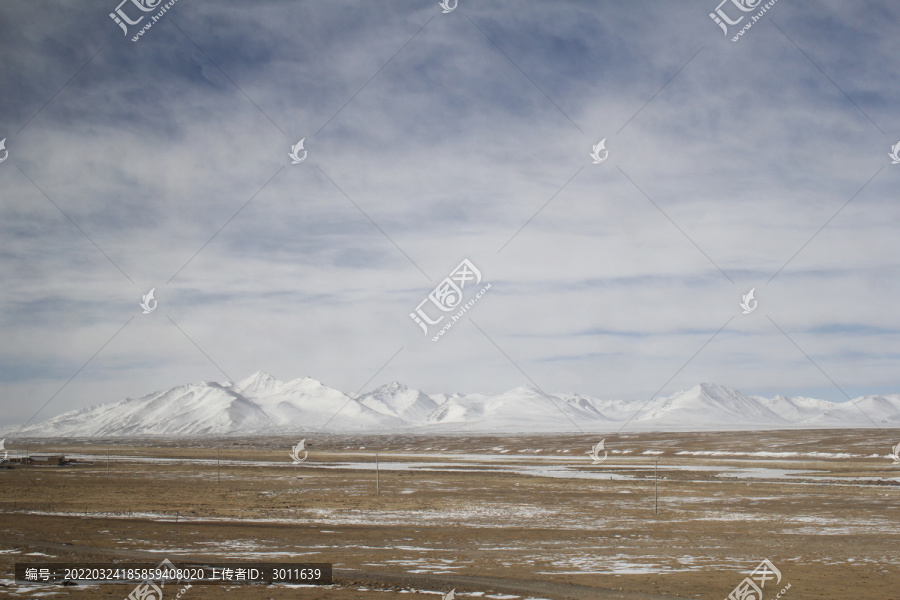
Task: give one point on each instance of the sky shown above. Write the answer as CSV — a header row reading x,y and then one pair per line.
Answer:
x,y
432,137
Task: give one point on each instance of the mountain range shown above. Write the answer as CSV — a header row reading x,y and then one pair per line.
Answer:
x,y
262,404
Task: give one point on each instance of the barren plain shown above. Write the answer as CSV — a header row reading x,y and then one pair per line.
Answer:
x,y
666,515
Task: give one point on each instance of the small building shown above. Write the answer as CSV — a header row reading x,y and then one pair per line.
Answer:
x,y
53,460
47,461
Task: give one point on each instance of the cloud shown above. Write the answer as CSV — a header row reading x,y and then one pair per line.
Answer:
x,y
434,138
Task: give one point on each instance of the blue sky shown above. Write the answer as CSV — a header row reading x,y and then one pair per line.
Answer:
x,y
432,138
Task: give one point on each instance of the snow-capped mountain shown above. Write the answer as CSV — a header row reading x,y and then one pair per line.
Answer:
x,y
709,402
521,409
797,408
257,404
262,404
305,404
865,411
397,400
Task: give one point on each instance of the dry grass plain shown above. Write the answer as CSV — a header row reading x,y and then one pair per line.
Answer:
x,y
496,517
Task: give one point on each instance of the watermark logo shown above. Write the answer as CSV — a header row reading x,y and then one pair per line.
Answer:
x,y
148,590
600,147
895,456
595,452
296,450
122,19
6,152
751,588
450,595
447,297
147,299
296,159
895,153
448,8
749,302
721,18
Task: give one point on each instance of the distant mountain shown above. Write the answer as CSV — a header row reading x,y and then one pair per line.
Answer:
x,y
256,405
262,404
710,403
797,408
521,409
397,400
865,411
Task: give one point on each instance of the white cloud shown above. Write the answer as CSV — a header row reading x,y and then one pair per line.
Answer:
x,y
450,149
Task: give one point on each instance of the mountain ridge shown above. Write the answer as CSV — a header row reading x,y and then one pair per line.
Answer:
x,y
262,404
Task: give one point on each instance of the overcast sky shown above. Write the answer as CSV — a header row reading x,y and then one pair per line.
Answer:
x,y
433,138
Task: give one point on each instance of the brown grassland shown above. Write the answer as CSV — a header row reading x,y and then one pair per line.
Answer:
x,y
491,516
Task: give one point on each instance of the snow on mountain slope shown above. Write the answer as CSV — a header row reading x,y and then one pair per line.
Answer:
x,y
397,400
884,410
866,411
259,404
708,403
860,412
193,409
306,404
258,384
262,404
796,408
521,409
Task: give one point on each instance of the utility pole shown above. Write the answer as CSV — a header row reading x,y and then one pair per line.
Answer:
x,y
656,487
218,480
377,482
107,461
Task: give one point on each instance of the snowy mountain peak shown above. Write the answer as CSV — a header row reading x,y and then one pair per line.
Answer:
x,y
714,390
397,400
526,390
394,386
261,376
707,402
257,381
251,406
